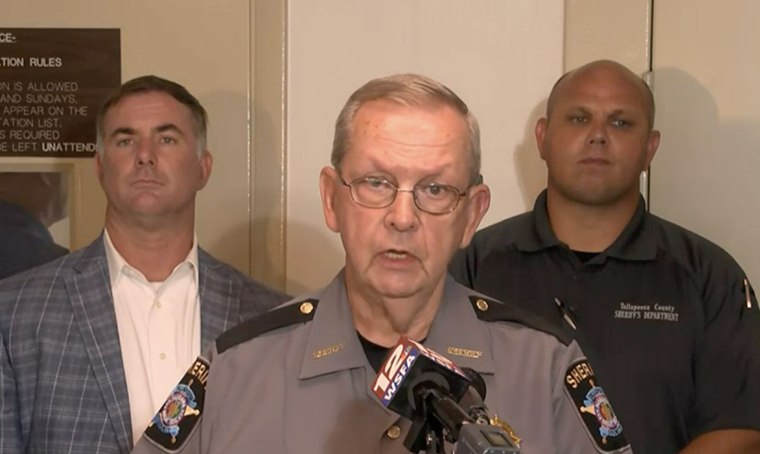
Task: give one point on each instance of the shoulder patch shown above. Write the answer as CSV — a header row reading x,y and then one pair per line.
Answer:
x,y
594,409
180,413
491,310
298,312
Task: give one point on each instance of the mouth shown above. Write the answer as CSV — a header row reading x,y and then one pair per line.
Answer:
x,y
595,161
395,254
146,183
397,260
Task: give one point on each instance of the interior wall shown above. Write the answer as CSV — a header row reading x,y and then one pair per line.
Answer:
x,y
705,79
603,29
261,210
203,44
500,57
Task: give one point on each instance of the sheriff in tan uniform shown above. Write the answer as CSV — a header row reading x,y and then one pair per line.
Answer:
x,y
306,386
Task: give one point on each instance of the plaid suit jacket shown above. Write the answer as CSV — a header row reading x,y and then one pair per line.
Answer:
x,y
62,385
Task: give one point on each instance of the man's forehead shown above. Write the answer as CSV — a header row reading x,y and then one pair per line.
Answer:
x,y
613,91
603,75
434,124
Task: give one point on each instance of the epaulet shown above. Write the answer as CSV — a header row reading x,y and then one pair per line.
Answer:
x,y
490,310
298,312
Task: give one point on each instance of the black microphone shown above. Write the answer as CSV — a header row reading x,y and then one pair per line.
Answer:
x,y
473,399
411,373
423,386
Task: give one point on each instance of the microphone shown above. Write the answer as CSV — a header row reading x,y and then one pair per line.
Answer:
x,y
424,386
489,434
473,399
409,371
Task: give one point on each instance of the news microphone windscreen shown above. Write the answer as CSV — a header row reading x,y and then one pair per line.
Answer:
x,y
477,381
473,399
408,364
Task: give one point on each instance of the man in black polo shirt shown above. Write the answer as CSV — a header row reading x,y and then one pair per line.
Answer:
x,y
670,317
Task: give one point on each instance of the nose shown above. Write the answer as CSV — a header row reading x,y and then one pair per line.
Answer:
x,y
598,134
402,213
145,154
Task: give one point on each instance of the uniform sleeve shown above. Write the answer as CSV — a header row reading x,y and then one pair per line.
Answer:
x,y
177,426
727,354
10,424
584,419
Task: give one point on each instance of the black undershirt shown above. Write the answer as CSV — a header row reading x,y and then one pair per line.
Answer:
x,y
585,256
376,353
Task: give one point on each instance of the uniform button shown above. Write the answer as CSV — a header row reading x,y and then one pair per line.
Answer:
x,y
482,305
393,432
306,308
162,356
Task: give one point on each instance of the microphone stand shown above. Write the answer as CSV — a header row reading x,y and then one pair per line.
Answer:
x,y
439,418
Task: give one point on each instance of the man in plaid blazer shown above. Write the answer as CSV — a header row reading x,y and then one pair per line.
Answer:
x,y
88,342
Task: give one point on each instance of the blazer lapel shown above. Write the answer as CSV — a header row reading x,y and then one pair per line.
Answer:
x,y
89,291
219,299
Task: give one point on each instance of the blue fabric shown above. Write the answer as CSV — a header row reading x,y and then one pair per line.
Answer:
x,y
24,241
61,374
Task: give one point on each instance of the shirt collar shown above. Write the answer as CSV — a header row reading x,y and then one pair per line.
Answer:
x,y
333,343
635,242
117,264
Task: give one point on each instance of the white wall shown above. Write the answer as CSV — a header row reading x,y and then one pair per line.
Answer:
x,y
500,56
706,68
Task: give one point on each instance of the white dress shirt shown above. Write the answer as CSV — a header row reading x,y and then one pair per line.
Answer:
x,y
159,330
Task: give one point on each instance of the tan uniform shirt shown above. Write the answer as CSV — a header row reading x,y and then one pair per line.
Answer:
x,y
306,387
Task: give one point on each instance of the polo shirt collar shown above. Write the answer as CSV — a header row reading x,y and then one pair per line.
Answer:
x,y
636,242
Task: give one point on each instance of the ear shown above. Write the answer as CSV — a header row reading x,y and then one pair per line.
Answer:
x,y
328,190
478,201
206,162
653,142
540,133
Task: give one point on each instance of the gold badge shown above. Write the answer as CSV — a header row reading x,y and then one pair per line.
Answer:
x,y
457,351
496,421
327,351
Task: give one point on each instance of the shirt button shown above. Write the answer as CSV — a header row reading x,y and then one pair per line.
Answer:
x,y
162,356
158,304
393,432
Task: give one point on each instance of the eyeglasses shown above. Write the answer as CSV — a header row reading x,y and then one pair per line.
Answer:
x,y
378,192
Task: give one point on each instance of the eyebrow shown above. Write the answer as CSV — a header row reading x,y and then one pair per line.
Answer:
x,y
614,113
169,127
161,128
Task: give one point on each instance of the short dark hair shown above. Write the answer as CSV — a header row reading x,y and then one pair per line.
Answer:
x,y
148,84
